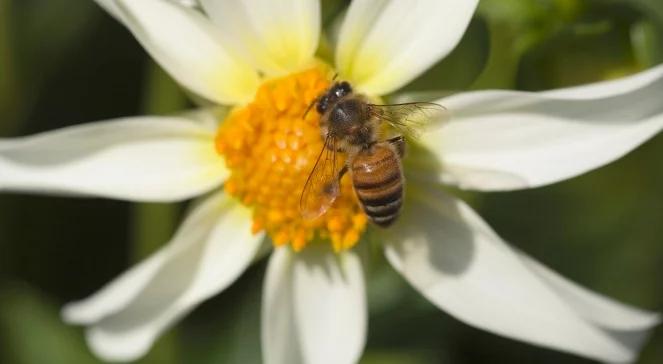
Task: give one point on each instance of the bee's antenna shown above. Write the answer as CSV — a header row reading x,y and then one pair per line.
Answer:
x,y
309,107
335,77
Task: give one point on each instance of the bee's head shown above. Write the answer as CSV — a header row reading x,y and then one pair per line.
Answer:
x,y
333,94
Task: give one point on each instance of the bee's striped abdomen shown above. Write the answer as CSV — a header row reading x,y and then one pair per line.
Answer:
x,y
377,177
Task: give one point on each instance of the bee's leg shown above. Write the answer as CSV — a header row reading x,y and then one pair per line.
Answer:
x,y
342,172
399,143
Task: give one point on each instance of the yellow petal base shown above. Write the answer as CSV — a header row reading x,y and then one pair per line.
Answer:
x,y
271,149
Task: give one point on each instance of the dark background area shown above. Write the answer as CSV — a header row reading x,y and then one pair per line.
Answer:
x,y
64,62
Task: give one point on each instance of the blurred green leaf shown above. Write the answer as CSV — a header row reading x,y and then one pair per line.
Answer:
x,y
515,27
32,332
591,48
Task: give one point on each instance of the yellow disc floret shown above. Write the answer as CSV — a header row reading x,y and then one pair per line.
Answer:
x,y
271,149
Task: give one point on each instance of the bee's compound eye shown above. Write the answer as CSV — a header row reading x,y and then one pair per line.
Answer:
x,y
342,89
321,107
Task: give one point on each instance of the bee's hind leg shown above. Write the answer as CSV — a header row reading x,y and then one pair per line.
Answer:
x,y
399,143
342,172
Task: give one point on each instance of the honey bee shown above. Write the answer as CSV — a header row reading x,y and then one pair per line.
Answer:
x,y
372,137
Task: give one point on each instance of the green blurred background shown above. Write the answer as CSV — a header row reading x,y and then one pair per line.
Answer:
x,y
64,62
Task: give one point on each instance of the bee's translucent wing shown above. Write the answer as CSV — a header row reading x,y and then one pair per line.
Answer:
x,y
323,185
410,118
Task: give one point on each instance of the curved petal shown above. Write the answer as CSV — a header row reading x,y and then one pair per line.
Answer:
x,y
188,46
385,44
210,251
504,140
139,159
456,261
314,307
275,36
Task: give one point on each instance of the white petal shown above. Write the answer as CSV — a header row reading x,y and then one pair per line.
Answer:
x,y
111,7
314,307
275,36
454,259
139,159
188,46
385,44
211,249
280,341
117,294
503,140
609,88
597,308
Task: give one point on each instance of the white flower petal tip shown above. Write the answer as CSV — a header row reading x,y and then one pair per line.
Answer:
x,y
211,249
505,140
274,36
612,316
140,159
192,52
112,348
459,264
314,307
110,7
384,45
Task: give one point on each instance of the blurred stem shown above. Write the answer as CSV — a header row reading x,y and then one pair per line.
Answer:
x,y
647,43
9,85
154,223
502,66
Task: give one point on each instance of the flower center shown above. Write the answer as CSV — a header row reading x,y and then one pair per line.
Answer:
x,y
271,148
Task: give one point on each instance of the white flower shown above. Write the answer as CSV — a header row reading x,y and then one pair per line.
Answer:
x,y
314,308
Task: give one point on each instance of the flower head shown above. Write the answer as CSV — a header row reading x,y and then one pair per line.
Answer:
x,y
258,58
271,149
